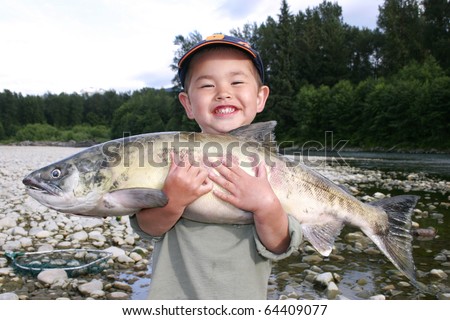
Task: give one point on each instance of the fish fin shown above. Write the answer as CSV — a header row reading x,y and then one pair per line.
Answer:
x,y
135,198
396,241
261,132
322,236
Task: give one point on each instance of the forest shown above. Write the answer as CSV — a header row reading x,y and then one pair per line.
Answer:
x,y
381,89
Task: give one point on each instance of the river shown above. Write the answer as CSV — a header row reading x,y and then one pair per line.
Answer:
x,y
363,275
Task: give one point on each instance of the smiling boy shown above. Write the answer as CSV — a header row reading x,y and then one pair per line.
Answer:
x,y
222,78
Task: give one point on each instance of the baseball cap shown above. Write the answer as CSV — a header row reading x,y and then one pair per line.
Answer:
x,y
219,39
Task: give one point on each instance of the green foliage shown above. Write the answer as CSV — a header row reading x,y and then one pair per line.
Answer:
x,y
99,133
409,110
38,132
46,132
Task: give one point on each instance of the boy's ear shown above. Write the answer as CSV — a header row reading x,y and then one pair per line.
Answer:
x,y
184,99
263,94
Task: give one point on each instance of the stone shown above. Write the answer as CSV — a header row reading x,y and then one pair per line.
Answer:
x,y
324,278
12,246
444,296
122,286
96,294
9,296
92,286
7,222
332,290
312,259
97,236
439,273
52,275
19,231
135,256
117,295
80,236
116,252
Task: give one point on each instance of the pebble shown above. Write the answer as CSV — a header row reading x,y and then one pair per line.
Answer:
x,y
314,258
52,275
332,290
324,278
9,296
117,295
122,286
90,287
439,273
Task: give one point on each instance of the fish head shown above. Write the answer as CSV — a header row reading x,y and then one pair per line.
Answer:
x,y
68,185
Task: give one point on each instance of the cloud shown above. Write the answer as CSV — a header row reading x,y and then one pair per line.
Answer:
x,y
55,46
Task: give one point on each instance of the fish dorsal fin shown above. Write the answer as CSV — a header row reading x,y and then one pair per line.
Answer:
x,y
261,132
322,236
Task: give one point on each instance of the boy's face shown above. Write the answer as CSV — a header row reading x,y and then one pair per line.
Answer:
x,y
223,92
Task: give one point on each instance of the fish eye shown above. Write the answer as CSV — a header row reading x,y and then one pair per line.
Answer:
x,y
56,173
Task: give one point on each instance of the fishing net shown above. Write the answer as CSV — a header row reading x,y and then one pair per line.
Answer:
x,y
74,261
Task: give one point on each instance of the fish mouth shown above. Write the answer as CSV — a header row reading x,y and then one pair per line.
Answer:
x,y
34,185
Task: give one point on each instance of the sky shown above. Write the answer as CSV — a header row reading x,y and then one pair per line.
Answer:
x,y
54,46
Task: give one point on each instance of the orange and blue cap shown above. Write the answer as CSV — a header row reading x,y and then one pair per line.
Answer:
x,y
222,40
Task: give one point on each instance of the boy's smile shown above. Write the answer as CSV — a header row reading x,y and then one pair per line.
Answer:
x,y
224,110
223,92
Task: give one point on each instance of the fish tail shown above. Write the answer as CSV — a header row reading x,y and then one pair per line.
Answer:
x,y
396,241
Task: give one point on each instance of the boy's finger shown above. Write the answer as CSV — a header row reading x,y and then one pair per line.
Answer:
x,y
261,170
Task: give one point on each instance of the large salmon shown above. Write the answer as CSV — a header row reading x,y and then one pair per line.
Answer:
x,y
120,177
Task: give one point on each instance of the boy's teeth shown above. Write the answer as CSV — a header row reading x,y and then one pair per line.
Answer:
x,y
225,110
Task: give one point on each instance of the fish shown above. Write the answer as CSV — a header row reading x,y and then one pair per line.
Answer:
x,y
123,176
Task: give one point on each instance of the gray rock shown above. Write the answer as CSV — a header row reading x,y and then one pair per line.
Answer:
x,y
97,236
12,246
9,296
52,275
312,259
439,273
88,288
7,222
324,278
117,295
332,290
80,236
116,252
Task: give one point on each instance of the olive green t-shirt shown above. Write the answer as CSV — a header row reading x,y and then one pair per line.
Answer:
x,y
212,261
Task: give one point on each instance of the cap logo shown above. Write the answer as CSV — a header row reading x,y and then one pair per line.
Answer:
x,y
217,36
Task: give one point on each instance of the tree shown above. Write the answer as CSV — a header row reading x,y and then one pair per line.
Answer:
x,y
436,17
184,43
401,24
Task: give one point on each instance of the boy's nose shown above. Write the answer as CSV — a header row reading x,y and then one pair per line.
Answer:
x,y
222,94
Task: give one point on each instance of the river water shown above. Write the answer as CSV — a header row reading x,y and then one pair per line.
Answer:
x,y
362,275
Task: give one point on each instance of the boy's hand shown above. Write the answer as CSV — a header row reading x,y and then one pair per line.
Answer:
x,y
185,183
255,194
246,192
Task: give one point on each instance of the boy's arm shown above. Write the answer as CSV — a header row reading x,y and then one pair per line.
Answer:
x,y
255,194
184,184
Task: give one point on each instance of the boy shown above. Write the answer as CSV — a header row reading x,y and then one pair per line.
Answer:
x,y
222,78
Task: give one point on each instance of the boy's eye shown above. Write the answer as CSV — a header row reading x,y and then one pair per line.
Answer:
x,y
206,85
237,82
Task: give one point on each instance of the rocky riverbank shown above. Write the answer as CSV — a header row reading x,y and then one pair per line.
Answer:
x,y
355,269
